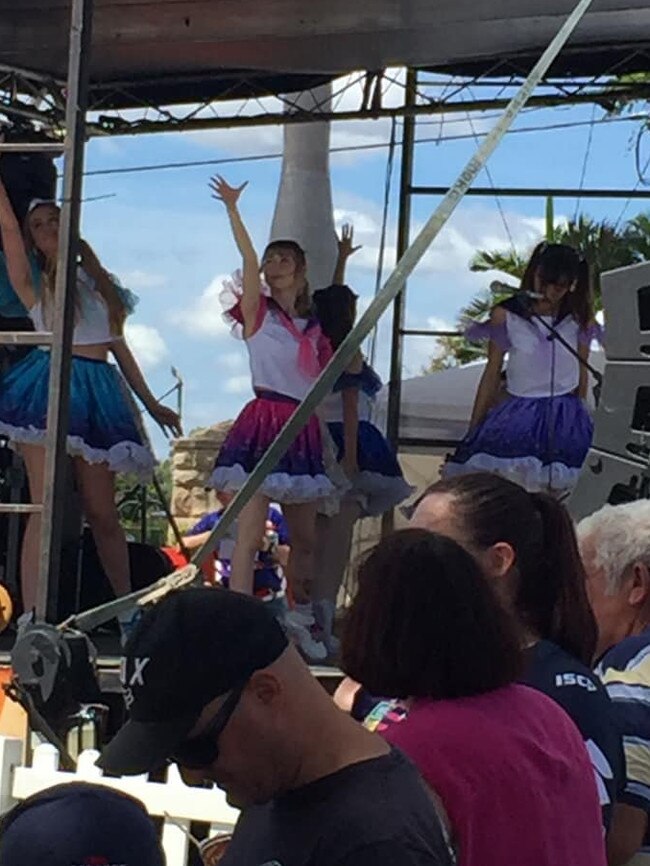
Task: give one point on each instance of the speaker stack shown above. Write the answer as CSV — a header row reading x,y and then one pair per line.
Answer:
x,y
26,176
617,468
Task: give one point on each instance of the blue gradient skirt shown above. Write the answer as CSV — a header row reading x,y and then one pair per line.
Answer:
x,y
300,474
103,427
538,442
380,481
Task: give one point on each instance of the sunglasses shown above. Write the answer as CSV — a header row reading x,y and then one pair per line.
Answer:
x,y
203,749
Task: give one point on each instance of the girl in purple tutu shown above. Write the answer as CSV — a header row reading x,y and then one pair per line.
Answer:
x,y
287,351
537,431
377,481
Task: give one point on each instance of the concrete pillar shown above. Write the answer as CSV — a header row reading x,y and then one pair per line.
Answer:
x,y
303,211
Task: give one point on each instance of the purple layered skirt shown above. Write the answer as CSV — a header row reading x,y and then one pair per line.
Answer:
x,y
538,442
300,474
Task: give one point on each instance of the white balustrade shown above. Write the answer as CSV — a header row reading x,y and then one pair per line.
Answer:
x,y
178,804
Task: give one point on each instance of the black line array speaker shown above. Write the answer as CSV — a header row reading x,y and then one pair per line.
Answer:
x,y
27,176
617,468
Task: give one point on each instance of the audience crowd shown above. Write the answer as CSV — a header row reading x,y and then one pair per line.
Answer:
x,y
496,706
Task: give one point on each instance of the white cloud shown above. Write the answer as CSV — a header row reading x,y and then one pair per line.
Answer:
x,y
238,384
139,280
232,360
146,343
364,223
204,318
435,323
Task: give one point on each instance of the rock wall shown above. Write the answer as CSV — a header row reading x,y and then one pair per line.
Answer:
x,y
192,461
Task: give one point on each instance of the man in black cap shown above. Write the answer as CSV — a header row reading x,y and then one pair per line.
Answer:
x,y
212,683
77,824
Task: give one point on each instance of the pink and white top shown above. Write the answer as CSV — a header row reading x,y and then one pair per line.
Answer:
x,y
513,775
286,353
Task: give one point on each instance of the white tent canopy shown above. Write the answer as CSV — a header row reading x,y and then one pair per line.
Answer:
x,y
437,406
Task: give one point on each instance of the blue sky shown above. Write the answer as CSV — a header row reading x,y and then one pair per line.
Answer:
x,y
169,241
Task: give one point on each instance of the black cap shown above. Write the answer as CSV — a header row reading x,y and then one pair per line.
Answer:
x,y
79,824
192,647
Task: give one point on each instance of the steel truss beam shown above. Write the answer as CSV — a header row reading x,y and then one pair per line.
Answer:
x,y
30,101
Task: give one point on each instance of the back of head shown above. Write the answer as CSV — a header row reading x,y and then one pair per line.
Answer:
x,y
79,823
336,309
549,596
425,622
619,536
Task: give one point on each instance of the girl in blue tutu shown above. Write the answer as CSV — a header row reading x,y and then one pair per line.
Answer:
x,y
538,431
370,463
104,433
287,352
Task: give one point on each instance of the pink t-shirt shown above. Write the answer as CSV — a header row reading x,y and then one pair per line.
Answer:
x,y
513,774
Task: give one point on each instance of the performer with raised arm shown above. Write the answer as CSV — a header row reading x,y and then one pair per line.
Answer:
x,y
363,452
287,351
104,436
537,433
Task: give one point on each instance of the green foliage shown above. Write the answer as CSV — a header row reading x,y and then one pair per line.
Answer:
x,y
507,261
130,499
618,104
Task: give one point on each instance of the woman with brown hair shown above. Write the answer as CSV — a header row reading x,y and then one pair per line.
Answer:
x,y
526,547
506,763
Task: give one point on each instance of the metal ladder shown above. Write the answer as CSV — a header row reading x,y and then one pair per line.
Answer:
x,y
59,341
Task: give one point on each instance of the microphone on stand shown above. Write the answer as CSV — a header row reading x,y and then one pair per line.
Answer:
x,y
497,286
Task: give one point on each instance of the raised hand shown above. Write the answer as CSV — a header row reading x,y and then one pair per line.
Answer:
x,y
166,418
222,191
346,242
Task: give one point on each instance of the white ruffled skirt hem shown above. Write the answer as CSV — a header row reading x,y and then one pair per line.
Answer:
x,y
528,472
278,486
122,458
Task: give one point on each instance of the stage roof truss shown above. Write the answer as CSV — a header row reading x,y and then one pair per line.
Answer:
x,y
32,102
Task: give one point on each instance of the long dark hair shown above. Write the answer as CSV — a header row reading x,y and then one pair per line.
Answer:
x,y
560,263
425,623
336,310
303,305
550,596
